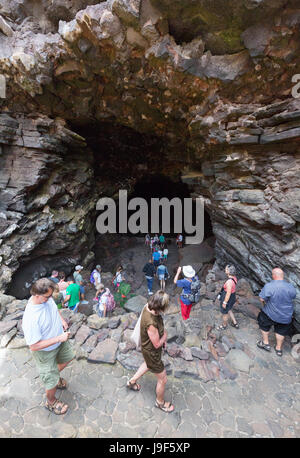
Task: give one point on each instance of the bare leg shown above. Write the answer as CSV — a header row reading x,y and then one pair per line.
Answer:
x,y
225,320
160,387
160,391
232,317
279,341
265,337
63,365
139,373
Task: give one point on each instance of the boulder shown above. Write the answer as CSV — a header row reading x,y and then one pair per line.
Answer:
x,y
95,322
105,352
135,304
239,360
6,326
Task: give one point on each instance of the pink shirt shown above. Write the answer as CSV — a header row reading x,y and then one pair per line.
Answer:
x,y
231,283
62,285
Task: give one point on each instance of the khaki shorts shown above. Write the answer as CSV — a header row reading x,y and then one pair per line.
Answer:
x,y
47,361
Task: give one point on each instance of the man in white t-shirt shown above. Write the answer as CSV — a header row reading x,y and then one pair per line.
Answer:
x,y
43,328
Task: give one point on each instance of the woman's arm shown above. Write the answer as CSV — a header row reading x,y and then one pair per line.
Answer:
x,y
177,275
154,337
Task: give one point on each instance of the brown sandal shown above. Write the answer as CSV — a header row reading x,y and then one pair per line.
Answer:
x,y
62,384
57,407
165,406
133,386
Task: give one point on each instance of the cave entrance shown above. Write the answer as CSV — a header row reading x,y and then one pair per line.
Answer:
x,y
110,248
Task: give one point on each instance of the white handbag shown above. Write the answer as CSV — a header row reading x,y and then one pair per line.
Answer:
x,y
136,333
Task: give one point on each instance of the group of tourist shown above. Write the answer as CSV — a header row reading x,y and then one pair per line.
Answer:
x,y
45,329
156,266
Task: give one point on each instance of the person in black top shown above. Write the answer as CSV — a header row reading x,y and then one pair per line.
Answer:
x,y
149,271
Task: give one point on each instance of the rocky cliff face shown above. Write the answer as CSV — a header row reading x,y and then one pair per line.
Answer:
x,y
209,82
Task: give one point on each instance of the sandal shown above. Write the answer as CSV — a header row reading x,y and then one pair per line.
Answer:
x,y
165,406
57,407
133,386
221,328
235,325
278,352
264,346
62,384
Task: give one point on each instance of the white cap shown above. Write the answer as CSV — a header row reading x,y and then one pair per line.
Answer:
x,y
188,271
78,267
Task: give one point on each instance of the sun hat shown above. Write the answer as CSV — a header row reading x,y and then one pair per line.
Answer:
x,y
188,271
78,267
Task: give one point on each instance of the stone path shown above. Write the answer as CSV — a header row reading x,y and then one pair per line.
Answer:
x,y
264,402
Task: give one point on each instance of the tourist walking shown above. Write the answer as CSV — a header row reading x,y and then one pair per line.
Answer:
x,y
57,296
162,274
149,271
162,241
62,284
106,302
44,332
165,254
153,339
54,276
227,299
156,259
187,297
118,277
277,297
79,280
95,277
147,239
72,298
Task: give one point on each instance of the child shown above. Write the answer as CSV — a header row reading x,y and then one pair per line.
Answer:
x,y
102,299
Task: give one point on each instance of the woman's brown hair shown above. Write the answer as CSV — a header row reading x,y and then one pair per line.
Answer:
x,y
159,301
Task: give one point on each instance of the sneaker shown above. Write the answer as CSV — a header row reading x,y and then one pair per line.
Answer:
x,y
150,293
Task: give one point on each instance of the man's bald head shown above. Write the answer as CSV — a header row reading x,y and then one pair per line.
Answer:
x,y
277,274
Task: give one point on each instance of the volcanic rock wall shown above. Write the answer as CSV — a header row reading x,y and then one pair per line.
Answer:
x,y
212,80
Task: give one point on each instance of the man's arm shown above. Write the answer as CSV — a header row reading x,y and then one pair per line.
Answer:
x,y
48,342
67,298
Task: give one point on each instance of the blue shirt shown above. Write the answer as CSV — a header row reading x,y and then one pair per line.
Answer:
x,y
156,256
278,296
161,270
186,285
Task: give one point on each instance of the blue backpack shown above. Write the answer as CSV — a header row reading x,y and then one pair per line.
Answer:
x,y
92,280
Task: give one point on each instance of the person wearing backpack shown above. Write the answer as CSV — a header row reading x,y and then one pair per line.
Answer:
x,y
106,302
227,298
95,277
190,289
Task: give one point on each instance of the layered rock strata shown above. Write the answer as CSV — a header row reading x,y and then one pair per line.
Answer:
x,y
215,86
